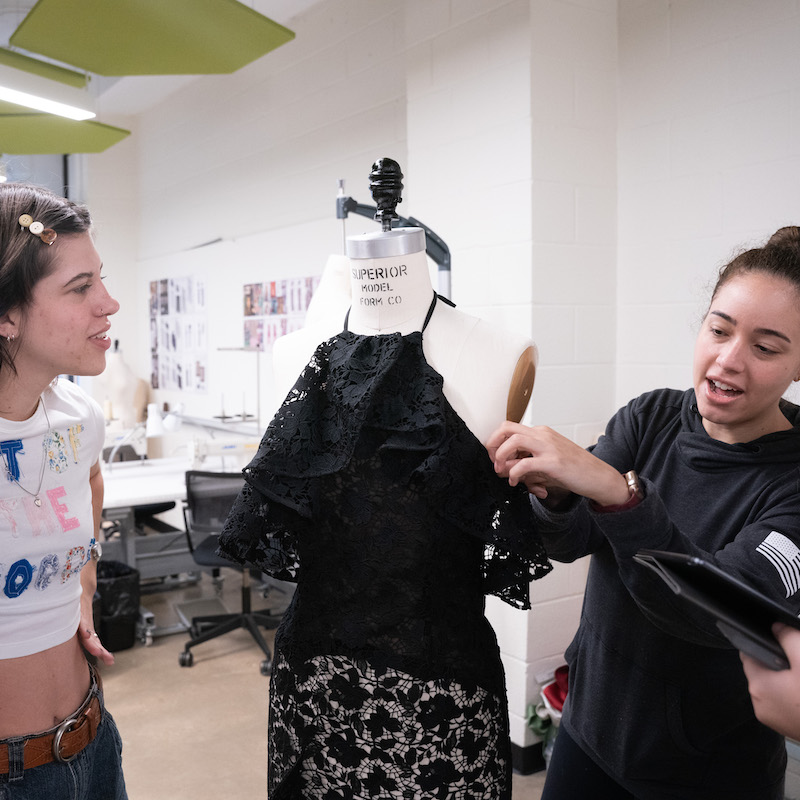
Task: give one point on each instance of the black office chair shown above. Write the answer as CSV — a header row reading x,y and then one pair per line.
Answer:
x,y
209,497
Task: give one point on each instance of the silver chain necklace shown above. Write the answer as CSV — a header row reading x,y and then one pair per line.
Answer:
x,y
34,495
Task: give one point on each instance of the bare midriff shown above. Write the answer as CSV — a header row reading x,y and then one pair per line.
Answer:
x,y
39,691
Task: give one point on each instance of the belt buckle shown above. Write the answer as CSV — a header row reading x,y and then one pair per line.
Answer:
x,y
63,728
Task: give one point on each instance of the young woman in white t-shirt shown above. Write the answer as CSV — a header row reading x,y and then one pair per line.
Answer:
x,y
56,738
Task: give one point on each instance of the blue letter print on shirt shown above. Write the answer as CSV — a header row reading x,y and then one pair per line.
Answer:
x,y
18,578
48,567
9,449
20,573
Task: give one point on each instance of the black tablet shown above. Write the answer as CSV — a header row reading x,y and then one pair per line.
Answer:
x,y
743,614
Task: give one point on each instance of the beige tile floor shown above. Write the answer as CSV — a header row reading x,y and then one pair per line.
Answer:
x,y
199,733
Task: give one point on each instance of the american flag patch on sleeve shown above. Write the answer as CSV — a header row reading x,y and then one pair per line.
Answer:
x,y
784,555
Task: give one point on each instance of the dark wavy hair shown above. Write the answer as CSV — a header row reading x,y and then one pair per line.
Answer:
x,y
24,258
779,257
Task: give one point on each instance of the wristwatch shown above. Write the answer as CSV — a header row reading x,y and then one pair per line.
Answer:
x,y
634,487
636,495
96,551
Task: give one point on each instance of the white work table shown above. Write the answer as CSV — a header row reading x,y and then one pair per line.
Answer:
x,y
155,480
132,484
129,485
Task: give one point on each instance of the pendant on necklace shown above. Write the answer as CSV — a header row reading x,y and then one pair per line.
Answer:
x,y
37,502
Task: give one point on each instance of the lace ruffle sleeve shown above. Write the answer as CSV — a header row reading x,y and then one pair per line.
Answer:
x,y
365,425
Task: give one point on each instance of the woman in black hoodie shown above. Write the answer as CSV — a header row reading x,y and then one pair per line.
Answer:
x,y
658,705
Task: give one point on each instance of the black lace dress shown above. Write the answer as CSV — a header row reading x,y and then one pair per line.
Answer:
x,y
372,494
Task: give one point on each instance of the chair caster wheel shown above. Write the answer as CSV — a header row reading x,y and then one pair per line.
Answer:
x,y
266,667
186,659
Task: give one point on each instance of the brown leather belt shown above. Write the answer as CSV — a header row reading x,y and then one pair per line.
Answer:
x,y
63,743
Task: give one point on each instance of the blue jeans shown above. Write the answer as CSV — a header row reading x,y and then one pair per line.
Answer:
x,y
94,774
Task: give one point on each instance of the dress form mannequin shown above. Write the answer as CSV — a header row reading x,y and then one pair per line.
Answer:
x,y
488,371
122,395
332,295
373,475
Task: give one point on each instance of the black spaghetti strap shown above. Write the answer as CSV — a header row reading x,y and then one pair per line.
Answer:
x,y
347,317
430,313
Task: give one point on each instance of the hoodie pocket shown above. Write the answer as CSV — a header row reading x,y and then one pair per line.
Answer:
x,y
629,717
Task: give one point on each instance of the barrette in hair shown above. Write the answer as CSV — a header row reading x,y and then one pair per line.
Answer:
x,y
47,235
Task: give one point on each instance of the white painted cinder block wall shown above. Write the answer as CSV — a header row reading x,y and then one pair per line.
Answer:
x,y
709,160
589,162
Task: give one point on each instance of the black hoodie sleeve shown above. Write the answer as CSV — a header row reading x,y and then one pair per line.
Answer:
x,y
738,506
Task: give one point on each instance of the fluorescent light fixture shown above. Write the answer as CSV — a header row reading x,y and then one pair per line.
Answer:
x,y
43,104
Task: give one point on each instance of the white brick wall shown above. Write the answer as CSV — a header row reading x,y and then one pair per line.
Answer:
x,y
708,161
590,163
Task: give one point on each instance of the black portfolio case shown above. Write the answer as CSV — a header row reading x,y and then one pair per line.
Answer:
x,y
743,614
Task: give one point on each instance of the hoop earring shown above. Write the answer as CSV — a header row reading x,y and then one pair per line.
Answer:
x,y
10,338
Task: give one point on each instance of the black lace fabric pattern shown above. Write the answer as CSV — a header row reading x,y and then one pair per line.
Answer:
x,y
366,743
372,494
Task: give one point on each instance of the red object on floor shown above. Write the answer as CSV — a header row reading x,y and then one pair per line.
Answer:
x,y
556,692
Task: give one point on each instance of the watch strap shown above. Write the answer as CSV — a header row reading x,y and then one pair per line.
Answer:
x,y
636,496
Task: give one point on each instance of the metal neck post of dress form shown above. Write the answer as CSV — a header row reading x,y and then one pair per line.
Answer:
x,y
386,186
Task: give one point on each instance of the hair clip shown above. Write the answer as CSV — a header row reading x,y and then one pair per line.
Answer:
x,y
47,235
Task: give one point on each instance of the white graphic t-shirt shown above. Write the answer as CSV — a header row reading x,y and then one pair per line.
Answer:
x,y
45,544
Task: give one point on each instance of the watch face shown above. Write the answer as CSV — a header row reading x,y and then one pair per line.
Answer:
x,y
96,551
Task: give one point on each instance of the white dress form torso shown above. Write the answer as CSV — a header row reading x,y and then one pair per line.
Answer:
x,y
122,395
488,371
332,295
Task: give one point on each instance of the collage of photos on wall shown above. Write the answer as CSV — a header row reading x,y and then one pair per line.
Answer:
x,y
178,334
274,308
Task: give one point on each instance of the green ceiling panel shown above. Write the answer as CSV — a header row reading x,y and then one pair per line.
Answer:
x,y
149,37
44,69
25,133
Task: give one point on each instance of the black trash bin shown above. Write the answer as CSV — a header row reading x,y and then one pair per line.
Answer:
x,y
118,588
